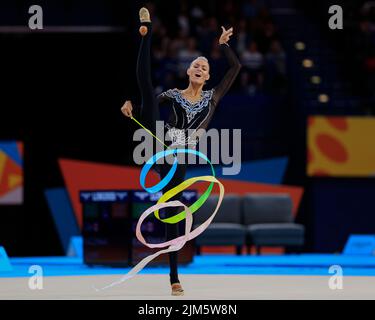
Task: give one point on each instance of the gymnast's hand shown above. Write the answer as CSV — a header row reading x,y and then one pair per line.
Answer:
x,y
225,36
127,109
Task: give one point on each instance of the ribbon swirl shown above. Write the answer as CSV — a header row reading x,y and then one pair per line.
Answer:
x,y
177,243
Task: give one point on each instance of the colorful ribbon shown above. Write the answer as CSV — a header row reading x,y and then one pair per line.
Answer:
x,y
169,194
177,243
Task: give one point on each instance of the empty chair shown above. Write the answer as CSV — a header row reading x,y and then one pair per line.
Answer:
x,y
226,229
269,221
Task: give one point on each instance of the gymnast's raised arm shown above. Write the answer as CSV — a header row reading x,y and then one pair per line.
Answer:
x,y
234,66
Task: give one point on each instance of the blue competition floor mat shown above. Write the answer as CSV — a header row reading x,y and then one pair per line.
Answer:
x,y
303,264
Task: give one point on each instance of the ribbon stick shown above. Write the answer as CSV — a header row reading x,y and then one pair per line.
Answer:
x,y
140,124
177,243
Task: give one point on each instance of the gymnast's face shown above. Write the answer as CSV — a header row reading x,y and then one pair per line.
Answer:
x,y
199,71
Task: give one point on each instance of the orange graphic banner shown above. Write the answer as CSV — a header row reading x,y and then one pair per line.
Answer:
x,y
341,146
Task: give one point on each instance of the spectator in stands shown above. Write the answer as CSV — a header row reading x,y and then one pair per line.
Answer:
x,y
276,56
183,19
242,38
207,33
252,60
265,36
275,68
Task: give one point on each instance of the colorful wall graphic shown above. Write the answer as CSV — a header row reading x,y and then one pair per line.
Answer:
x,y
341,146
11,173
82,175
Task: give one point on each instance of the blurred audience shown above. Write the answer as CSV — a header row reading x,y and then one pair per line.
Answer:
x,y
255,41
360,49
367,51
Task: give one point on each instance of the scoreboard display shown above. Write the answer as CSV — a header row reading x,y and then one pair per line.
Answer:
x,y
109,222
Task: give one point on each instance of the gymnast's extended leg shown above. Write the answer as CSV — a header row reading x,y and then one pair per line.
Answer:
x,y
149,115
149,105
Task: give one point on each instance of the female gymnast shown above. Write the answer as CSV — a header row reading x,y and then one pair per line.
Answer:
x,y
191,108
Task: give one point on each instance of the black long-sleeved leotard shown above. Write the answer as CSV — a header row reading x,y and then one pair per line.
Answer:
x,y
185,115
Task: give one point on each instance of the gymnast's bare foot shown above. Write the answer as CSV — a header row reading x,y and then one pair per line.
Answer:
x,y
177,289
